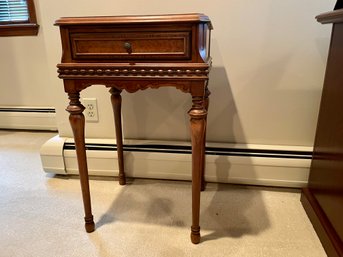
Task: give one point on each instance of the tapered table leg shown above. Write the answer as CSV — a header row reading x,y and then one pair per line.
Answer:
x,y
77,122
116,105
198,123
206,104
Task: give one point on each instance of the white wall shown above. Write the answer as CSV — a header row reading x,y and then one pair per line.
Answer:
x,y
268,67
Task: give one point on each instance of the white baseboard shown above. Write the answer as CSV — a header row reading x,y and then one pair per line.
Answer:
x,y
283,166
29,118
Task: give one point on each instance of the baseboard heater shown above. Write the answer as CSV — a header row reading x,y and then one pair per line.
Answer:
x,y
179,149
30,118
286,166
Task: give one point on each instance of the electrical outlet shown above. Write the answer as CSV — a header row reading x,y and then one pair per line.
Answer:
x,y
91,111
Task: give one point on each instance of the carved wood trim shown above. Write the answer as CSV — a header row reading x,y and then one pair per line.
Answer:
x,y
71,72
74,107
132,86
198,110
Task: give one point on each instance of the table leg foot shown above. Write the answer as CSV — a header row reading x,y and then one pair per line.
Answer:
x,y
122,179
89,224
195,235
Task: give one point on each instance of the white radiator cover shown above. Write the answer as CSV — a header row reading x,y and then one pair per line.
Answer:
x,y
283,171
30,118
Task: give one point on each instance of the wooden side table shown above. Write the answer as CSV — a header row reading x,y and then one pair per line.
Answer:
x,y
135,53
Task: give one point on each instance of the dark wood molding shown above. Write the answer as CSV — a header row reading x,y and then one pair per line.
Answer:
x,y
331,17
321,224
26,29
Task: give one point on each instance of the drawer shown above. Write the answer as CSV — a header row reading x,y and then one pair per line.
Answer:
x,y
131,45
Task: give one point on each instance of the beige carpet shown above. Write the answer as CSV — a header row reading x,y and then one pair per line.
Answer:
x,y
42,216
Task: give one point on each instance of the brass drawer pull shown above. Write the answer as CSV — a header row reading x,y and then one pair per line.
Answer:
x,y
128,47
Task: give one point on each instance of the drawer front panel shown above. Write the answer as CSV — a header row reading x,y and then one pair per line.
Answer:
x,y
131,46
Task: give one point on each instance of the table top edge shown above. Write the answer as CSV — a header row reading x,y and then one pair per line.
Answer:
x,y
132,19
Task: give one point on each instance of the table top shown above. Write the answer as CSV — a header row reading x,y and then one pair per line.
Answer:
x,y
132,19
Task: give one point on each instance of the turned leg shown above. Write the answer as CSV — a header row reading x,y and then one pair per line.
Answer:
x,y
116,105
198,123
77,122
206,104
